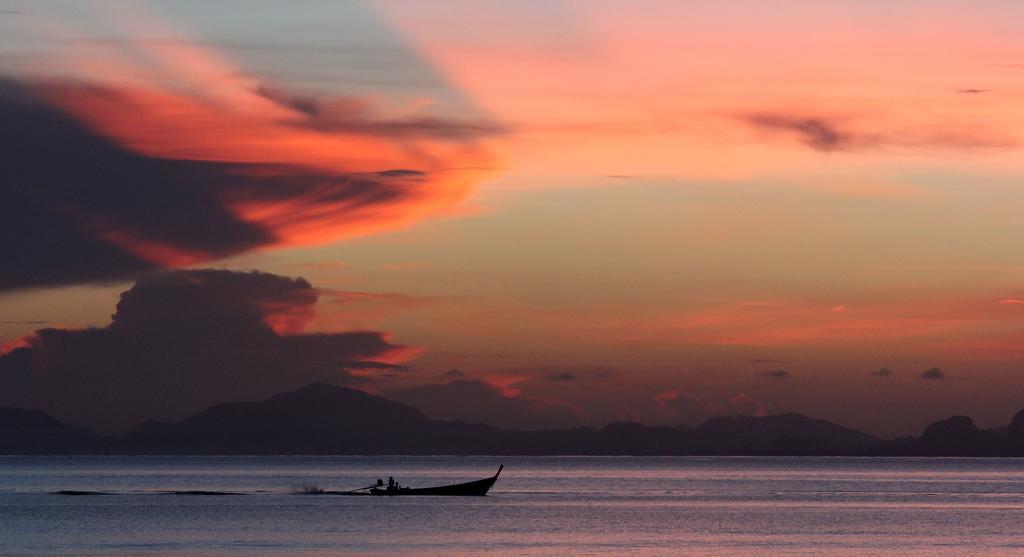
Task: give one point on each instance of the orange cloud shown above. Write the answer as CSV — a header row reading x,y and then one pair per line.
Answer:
x,y
505,384
283,168
26,341
346,308
161,254
275,142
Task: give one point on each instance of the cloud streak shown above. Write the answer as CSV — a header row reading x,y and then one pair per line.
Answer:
x,y
827,133
815,132
352,115
775,374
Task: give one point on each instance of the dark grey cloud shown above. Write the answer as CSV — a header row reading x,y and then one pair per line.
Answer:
x,y
399,173
181,341
776,374
831,133
478,402
78,207
816,132
353,115
933,374
764,361
972,91
560,372
881,372
65,187
454,374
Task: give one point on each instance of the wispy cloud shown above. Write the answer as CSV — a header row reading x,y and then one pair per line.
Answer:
x,y
882,372
454,374
356,116
816,132
847,133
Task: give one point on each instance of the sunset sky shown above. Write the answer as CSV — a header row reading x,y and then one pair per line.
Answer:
x,y
532,214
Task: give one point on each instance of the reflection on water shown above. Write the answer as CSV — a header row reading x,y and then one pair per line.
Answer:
x,y
540,506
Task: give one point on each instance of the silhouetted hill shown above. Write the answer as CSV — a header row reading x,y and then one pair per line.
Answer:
x,y
318,418
1015,431
954,436
315,407
34,420
638,439
326,419
783,434
33,431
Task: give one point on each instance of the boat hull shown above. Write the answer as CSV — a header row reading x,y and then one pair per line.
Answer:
x,y
476,488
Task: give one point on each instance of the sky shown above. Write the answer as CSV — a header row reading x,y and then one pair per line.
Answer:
x,y
532,214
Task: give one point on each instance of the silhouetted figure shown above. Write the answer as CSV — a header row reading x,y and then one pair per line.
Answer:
x,y
391,484
380,482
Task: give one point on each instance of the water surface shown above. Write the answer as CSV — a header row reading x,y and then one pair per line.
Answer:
x,y
540,506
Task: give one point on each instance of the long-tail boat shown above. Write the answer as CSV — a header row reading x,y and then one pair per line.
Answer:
x,y
477,488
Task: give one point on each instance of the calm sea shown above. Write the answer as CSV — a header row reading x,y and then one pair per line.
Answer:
x,y
540,506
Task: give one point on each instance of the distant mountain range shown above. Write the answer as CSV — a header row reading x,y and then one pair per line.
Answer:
x,y
326,419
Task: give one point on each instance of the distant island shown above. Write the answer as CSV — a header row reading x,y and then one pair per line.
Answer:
x,y
327,419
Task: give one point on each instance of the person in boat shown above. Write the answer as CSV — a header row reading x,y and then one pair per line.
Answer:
x,y
392,486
